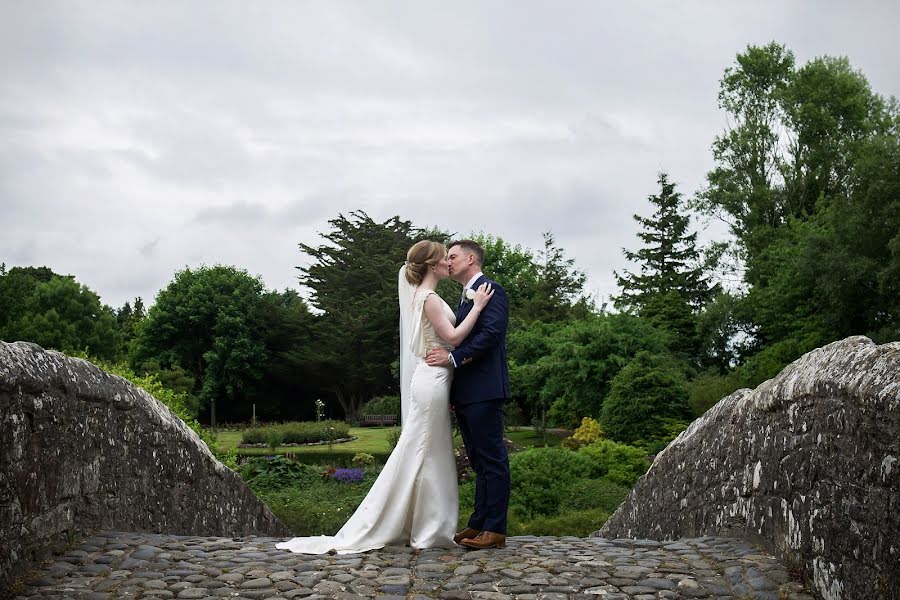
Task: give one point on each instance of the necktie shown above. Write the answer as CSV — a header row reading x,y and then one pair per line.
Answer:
x,y
462,298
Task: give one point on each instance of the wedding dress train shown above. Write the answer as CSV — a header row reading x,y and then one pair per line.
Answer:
x,y
415,499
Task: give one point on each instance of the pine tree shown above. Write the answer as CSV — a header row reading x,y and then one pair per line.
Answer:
x,y
352,280
671,286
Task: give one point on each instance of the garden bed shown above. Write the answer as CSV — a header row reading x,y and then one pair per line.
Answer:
x,y
295,445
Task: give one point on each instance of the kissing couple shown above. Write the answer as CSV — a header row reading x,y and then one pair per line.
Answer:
x,y
448,361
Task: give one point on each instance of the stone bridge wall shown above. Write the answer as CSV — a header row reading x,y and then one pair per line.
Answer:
x,y
84,450
807,464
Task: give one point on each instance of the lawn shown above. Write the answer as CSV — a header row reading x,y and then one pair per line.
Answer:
x,y
527,437
372,440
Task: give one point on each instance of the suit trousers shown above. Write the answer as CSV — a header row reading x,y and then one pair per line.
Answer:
x,y
481,426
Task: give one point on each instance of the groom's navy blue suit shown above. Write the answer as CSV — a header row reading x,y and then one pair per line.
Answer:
x,y
480,387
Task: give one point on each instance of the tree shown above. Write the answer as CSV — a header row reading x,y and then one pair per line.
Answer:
x,y
128,320
16,286
514,268
830,112
807,179
546,287
644,393
558,293
352,278
565,370
671,286
69,317
201,323
290,380
741,189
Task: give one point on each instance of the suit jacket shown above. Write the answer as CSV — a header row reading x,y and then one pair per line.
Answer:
x,y
481,369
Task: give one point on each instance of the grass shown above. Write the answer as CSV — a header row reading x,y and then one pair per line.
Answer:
x,y
527,438
372,440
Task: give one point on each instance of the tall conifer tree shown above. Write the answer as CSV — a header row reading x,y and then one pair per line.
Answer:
x,y
671,286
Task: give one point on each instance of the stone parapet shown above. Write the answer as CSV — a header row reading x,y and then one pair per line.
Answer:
x,y
84,450
807,465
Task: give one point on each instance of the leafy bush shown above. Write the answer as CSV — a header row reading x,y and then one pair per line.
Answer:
x,y
255,435
277,473
394,437
304,432
304,500
617,463
337,457
646,390
180,403
382,405
568,367
541,478
589,432
363,459
319,509
668,431
274,437
589,494
707,389
579,523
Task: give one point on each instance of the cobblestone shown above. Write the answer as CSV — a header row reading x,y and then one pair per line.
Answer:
x,y
145,566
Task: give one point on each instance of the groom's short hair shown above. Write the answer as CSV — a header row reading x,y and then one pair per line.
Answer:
x,y
470,246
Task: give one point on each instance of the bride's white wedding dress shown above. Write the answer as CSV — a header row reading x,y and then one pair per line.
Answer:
x,y
415,499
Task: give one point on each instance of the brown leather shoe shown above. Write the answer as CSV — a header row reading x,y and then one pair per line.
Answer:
x,y
484,540
468,532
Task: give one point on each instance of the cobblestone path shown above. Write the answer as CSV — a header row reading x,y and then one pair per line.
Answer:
x,y
129,565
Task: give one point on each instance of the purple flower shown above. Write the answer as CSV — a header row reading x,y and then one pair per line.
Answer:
x,y
348,475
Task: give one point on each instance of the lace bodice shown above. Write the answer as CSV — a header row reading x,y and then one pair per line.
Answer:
x,y
432,340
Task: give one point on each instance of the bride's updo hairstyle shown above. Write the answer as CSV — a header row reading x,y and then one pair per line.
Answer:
x,y
421,257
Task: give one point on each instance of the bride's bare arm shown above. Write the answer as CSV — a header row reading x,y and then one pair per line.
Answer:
x,y
442,326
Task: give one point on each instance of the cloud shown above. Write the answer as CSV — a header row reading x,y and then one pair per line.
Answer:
x,y
137,140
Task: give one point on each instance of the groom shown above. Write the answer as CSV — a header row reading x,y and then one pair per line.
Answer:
x,y
480,387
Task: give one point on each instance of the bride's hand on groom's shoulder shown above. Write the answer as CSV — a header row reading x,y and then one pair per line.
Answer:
x,y
483,295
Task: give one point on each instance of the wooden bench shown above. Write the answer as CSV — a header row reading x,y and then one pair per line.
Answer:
x,y
366,420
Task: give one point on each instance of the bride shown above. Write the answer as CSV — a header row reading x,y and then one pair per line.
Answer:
x,y
415,499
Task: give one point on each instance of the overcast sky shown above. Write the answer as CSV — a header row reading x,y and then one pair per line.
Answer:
x,y
137,138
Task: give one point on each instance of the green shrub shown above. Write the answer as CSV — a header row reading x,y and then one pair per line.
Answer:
x,y
618,463
312,504
589,494
324,458
646,390
588,432
254,435
319,510
299,432
668,430
579,523
180,403
382,405
320,431
541,478
363,459
394,437
707,389
274,438
268,474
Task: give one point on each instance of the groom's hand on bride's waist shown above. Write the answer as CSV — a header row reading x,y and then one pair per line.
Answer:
x,y
438,357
